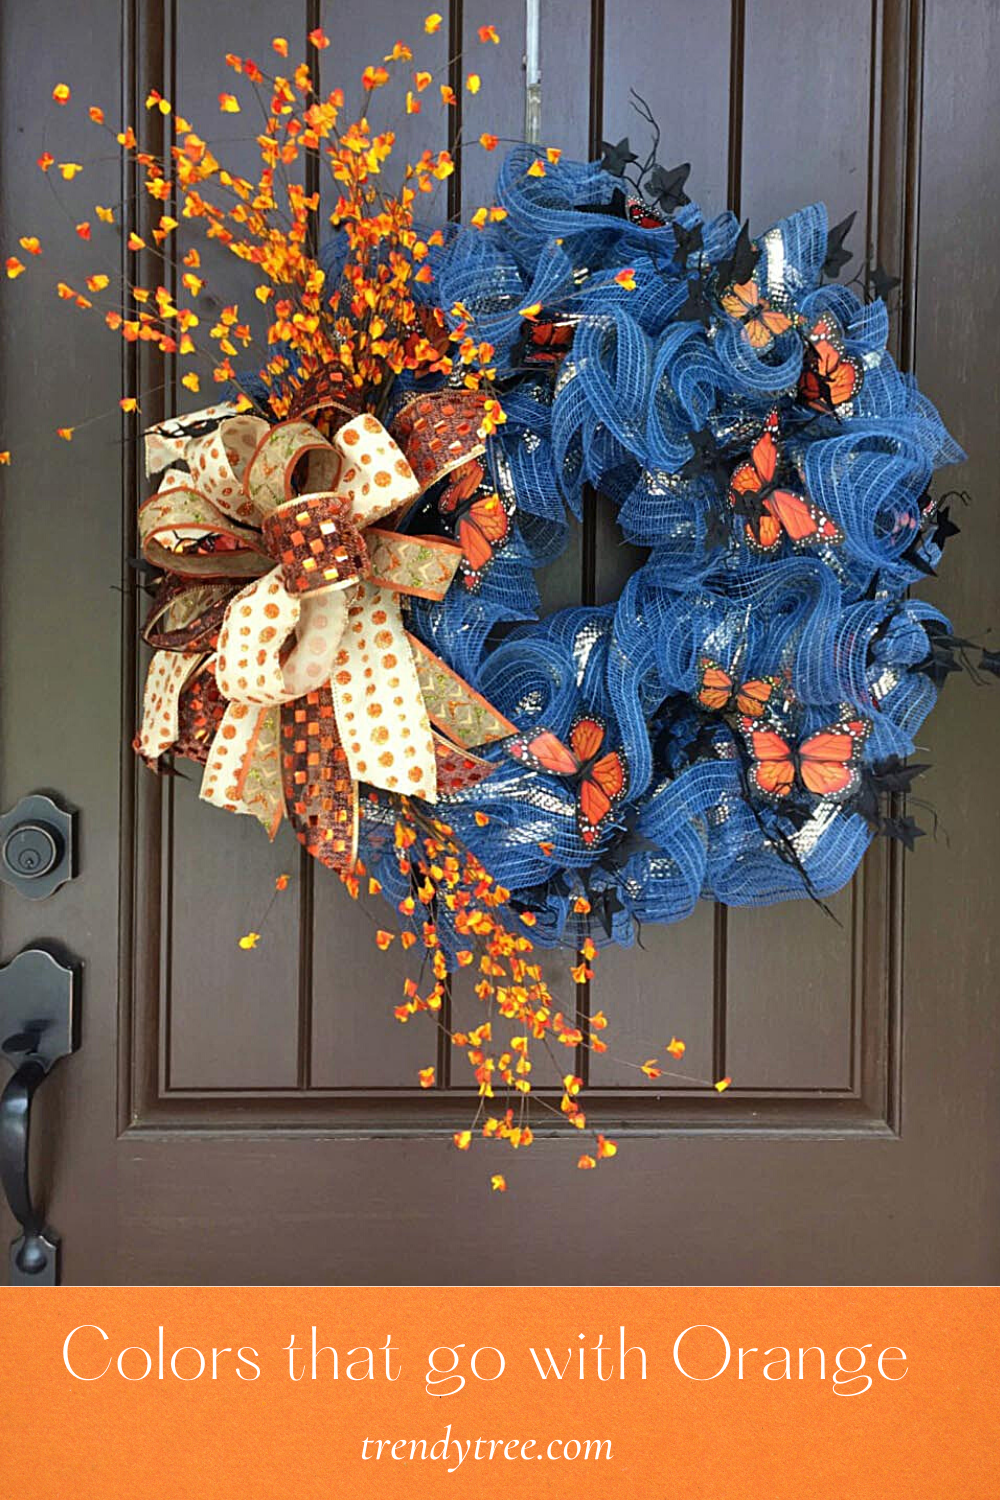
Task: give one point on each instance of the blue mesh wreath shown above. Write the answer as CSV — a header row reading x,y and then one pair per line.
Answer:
x,y
728,728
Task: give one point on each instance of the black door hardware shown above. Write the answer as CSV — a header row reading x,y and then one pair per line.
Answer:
x,y
36,846
37,1028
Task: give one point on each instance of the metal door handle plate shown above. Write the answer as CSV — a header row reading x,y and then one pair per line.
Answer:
x,y
37,1028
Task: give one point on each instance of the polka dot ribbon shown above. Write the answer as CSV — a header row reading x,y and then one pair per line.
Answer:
x,y
319,685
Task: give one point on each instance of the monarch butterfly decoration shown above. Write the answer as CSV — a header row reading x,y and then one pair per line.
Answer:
x,y
480,517
544,342
600,775
761,322
826,764
643,215
771,511
830,376
720,693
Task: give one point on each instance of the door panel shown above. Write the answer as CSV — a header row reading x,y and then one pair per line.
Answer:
x,y
802,132
220,1095
674,982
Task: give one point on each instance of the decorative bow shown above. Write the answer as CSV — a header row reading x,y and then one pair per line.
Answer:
x,y
300,683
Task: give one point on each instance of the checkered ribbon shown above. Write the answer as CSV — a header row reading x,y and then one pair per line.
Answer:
x,y
316,684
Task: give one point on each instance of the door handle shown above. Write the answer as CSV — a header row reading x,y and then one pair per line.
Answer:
x,y
35,1255
37,1028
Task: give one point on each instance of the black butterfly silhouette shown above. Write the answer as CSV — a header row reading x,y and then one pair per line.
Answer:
x,y
836,255
740,264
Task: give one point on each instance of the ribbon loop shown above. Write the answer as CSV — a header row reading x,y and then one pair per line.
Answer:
x,y
439,431
316,544
182,532
167,442
375,478
218,462
186,616
257,624
292,458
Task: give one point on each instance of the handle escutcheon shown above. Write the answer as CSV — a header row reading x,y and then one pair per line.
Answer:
x,y
37,1028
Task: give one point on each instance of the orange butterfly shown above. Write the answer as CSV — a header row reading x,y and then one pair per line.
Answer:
x,y
772,511
830,376
481,519
601,776
825,764
544,343
761,322
718,692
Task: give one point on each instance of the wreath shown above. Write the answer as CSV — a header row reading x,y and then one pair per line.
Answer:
x,y
345,624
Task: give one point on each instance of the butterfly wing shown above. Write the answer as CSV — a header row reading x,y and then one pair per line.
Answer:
x,y
762,325
830,376
761,322
812,389
552,340
765,451
463,483
800,519
482,529
750,477
764,531
829,759
765,534
775,322
744,481
753,697
774,778
759,336
611,774
601,789
488,517
773,768
827,338
737,301
844,381
643,215
544,752
477,550
548,344
715,686
586,738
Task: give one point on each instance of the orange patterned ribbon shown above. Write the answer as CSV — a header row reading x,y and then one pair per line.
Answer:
x,y
439,431
320,794
268,536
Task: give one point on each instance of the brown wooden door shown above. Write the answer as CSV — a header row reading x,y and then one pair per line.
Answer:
x,y
252,1118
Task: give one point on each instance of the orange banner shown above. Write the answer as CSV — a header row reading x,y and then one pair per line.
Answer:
x,y
581,1392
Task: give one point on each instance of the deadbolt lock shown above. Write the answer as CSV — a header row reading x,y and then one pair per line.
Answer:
x,y
36,847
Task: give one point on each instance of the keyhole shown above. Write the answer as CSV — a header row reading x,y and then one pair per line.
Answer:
x,y
30,851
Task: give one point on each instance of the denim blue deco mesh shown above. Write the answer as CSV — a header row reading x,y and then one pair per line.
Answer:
x,y
833,622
